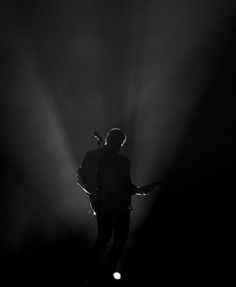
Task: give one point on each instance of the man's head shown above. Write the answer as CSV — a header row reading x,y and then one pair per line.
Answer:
x,y
115,139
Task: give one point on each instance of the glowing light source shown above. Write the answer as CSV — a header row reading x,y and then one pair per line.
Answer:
x,y
117,275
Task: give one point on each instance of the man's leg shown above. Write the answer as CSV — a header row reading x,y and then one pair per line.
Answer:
x,y
121,230
104,234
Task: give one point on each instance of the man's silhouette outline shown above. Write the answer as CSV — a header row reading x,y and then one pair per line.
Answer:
x,y
105,175
113,212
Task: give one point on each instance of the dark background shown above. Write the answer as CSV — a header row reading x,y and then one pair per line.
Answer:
x,y
86,54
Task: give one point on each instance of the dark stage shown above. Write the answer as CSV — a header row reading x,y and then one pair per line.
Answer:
x,y
164,71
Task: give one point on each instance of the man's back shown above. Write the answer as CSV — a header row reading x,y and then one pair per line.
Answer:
x,y
116,186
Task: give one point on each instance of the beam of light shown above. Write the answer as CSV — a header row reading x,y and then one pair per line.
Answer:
x,y
35,142
179,56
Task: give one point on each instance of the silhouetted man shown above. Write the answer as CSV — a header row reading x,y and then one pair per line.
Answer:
x,y
106,177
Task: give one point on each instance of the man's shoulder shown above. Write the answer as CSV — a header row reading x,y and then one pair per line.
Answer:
x,y
123,158
92,153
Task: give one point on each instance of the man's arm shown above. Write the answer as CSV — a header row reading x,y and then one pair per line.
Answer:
x,y
141,190
80,182
87,176
133,188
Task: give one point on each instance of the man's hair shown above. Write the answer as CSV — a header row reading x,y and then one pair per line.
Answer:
x,y
116,134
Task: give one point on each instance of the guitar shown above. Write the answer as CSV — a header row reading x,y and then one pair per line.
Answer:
x,y
95,195
146,189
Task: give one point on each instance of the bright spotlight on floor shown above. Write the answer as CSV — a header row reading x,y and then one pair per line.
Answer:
x,y
117,275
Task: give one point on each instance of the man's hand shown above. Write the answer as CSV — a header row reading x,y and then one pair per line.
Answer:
x,y
146,189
